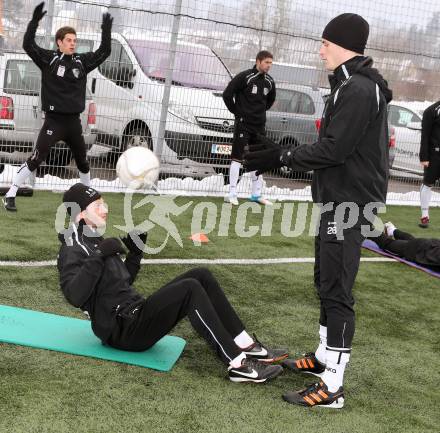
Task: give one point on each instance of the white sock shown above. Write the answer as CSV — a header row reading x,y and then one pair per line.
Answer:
x,y
390,229
234,173
333,375
84,178
257,184
322,348
425,199
22,174
243,340
237,361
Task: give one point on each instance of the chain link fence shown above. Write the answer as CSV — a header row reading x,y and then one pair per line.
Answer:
x,y
162,86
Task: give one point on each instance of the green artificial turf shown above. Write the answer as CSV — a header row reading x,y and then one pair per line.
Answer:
x,y
391,382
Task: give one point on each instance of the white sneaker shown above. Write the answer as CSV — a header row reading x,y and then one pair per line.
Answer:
x,y
261,200
231,199
389,228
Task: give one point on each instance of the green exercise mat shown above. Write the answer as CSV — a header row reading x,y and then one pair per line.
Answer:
x,y
75,336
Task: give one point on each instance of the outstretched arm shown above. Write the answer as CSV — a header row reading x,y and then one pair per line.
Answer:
x,y
36,53
93,59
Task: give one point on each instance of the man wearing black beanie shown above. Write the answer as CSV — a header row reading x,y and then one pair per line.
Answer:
x,y
350,165
94,278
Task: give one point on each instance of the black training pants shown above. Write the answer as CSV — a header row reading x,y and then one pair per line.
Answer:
x,y
60,127
195,294
337,258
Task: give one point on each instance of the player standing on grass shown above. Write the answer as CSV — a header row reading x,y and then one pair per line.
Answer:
x,y
350,163
248,96
429,158
63,95
94,278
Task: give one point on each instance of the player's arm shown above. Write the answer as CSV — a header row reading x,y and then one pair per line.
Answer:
x,y
271,96
349,122
427,125
79,273
36,53
234,86
135,242
347,126
93,59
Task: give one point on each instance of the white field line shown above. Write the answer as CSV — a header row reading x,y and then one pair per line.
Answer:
x,y
278,261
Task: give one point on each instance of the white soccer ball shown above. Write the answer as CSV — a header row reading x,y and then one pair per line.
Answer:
x,y
138,167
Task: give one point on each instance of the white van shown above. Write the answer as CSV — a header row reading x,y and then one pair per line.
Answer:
x,y
128,90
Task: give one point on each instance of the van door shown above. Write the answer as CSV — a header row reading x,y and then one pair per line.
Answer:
x,y
111,90
22,85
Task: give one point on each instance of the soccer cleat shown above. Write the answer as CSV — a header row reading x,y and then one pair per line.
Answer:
x,y
252,370
9,204
316,395
424,222
231,199
264,354
307,364
260,200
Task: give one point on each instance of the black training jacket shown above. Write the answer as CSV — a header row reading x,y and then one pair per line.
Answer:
x,y
64,77
350,158
425,252
249,94
430,132
99,286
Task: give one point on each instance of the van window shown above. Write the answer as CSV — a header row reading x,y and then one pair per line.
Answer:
x,y
118,66
194,66
291,101
399,116
302,104
22,77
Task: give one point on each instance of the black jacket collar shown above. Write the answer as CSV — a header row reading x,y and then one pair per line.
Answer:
x,y
78,231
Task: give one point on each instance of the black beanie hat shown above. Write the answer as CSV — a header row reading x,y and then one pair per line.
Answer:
x,y
82,195
349,31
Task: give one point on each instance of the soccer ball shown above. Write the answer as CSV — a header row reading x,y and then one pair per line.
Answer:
x,y
138,167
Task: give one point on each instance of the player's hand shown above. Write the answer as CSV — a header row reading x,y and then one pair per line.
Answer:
x,y
38,12
424,164
262,155
135,241
107,21
110,247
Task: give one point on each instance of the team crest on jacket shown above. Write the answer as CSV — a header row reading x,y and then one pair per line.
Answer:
x,y
265,91
75,72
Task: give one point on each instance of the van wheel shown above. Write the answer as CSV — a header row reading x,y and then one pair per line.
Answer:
x,y
139,136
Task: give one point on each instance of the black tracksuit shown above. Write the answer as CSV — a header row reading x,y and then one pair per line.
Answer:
x,y
63,95
248,96
350,164
124,319
430,143
423,251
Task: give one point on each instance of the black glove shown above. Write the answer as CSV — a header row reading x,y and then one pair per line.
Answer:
x,y
110,247
133,241
107,21
38,12
262,155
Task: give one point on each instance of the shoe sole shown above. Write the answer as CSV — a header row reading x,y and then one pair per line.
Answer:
x,y
337,404
248,379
